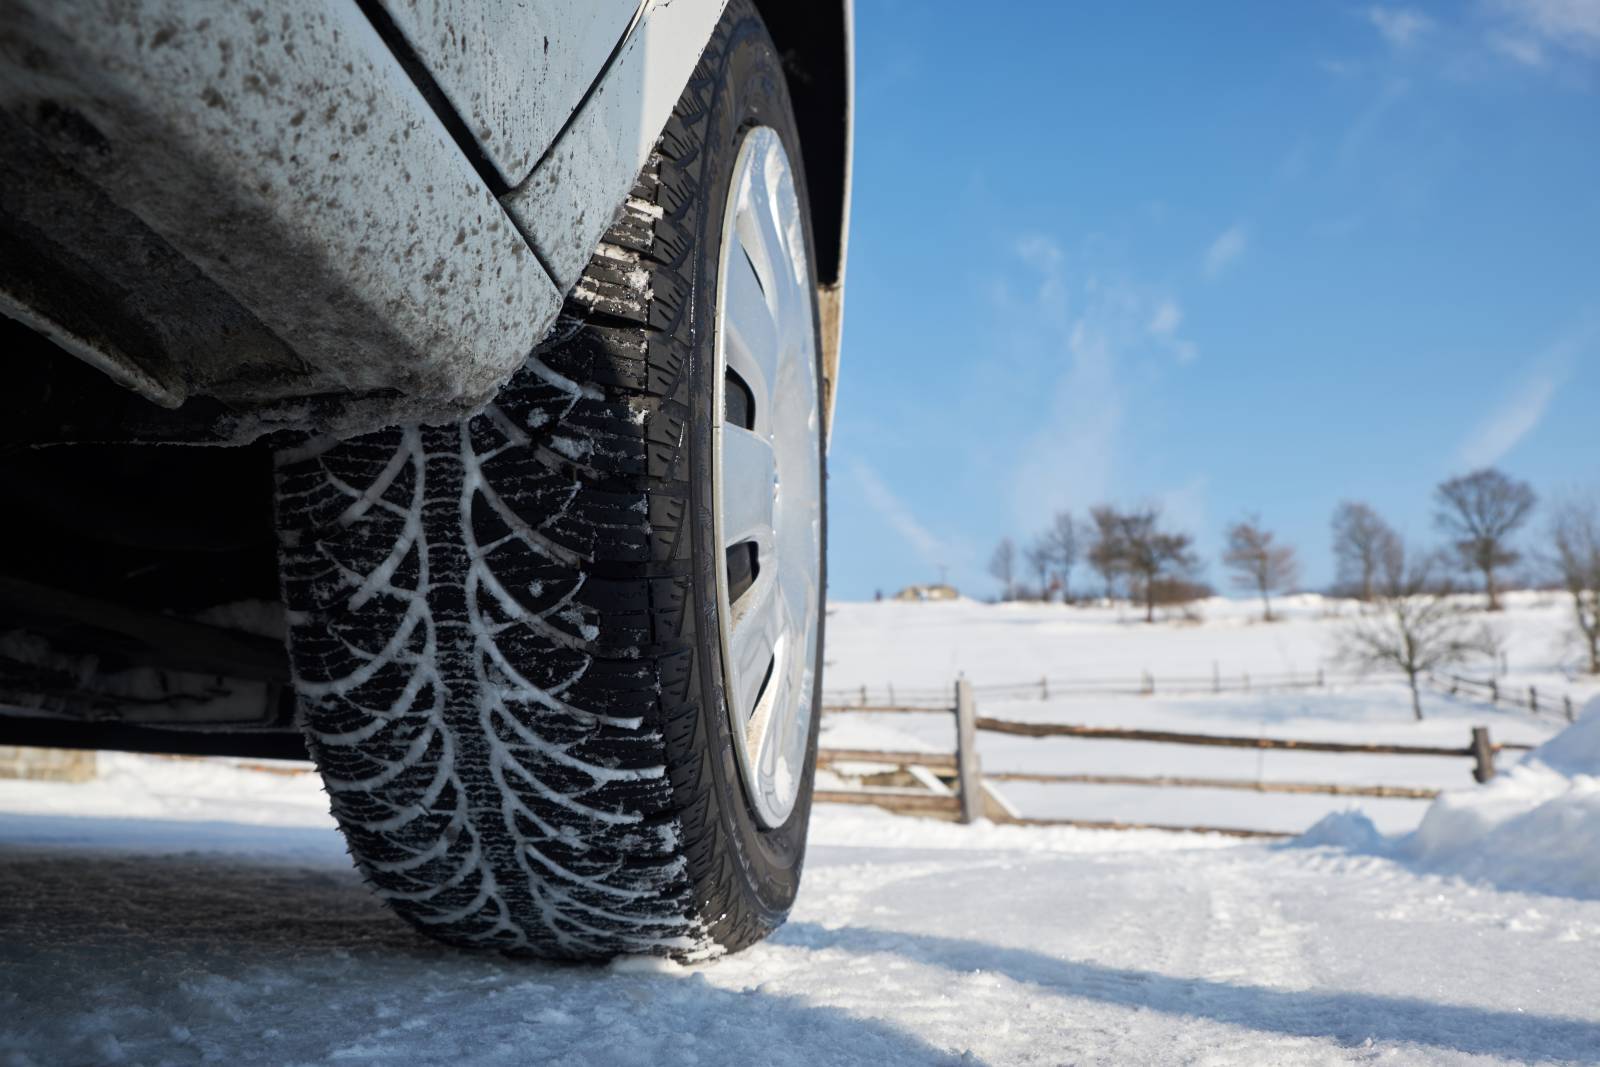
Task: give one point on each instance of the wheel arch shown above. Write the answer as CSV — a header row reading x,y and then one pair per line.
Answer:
x,y
817,45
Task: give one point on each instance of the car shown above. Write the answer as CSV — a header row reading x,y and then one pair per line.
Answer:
x,y
440,390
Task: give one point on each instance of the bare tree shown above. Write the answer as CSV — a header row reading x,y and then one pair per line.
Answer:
x,y
1040,556
1066,546
1155,560
1106,553
1480,511
1259,562
1363,546
1417,626
1575,537
1003,565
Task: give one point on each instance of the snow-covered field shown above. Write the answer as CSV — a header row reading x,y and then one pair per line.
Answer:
x,y
915,648
187,911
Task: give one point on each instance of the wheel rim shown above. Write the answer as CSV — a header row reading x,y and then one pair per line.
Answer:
x,y
766,463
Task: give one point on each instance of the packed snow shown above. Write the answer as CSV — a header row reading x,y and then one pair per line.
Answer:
x,y
1536,827
186,911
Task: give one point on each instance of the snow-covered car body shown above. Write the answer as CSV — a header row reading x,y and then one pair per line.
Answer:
x,y
334,215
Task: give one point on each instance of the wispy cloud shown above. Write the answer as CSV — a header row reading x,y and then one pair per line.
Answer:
x,y
1104,335
1531,32
1524,50
1508,424
1185,506
1361,130
1040,252
1164,323
1575,23
1077,319
1225,251
1070,460
1400,26
1520,413
894,511
1167,318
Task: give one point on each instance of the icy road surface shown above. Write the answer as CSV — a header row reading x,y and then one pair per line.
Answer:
x,y
185,912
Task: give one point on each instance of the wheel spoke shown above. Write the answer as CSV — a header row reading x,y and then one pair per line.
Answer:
x,y
768,241
749,484
751,336
756,236
756,630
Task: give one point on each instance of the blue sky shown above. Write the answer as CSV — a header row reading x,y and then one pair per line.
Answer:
x,y
1227,258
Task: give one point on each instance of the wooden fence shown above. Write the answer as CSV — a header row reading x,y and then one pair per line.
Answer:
x,y
1146,684
1491,690
951,785
1496,692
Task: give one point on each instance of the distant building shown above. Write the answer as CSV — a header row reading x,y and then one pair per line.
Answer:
x,y
927,592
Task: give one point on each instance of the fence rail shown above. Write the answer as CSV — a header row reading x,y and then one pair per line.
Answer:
x,y
1117,733
1146,684
964,798
910,698
1516,696
1336,789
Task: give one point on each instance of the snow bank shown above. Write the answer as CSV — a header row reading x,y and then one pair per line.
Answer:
x,y
1535,827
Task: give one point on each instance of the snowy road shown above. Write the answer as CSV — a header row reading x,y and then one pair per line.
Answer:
x,y
156,938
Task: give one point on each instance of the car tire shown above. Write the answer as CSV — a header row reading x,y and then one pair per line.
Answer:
x,y
510,637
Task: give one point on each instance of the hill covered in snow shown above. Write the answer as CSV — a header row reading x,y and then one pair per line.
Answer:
x,y
1104,666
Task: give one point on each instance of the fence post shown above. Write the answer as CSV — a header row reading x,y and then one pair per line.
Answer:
x,y
1149,684
1482,754
1321,681
1494,691
1044,688
863,696
969,775
1566,703
1533,699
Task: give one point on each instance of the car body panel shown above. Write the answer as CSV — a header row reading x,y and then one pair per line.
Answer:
x,y
290,158
283,209
514,70
569,200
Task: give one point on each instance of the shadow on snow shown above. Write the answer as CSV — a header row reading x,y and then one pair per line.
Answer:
x,y
1348,1017
273,951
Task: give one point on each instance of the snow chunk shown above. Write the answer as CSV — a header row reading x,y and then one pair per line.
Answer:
x,y
1349,830
1534,828
575,449
1575,750
647,965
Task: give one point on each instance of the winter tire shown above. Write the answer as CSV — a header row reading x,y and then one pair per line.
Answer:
x,y
560,665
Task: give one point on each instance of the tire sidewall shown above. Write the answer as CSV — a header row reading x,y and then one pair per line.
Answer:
x,y
749,91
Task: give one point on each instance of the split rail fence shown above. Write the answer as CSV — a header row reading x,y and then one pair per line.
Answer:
x,y
1496,692
952,784
1146,684
1490,690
